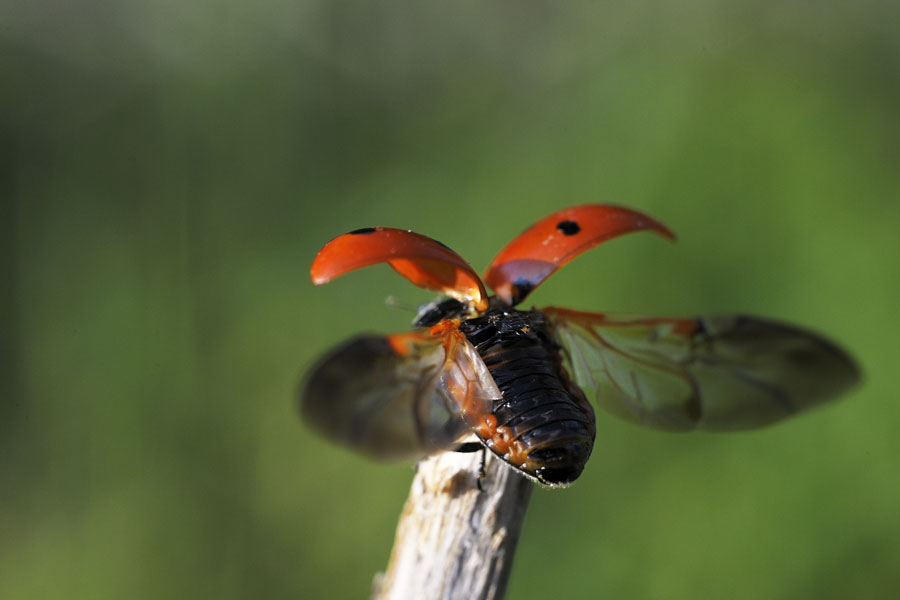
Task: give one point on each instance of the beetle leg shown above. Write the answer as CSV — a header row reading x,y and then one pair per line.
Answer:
x,y
481,469
469,447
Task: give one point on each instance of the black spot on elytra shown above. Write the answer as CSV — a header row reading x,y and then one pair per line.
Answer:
x,y
364,230
568,227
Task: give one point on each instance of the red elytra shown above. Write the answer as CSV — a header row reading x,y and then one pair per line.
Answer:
x,y
424,261
555,240
519,268
517,379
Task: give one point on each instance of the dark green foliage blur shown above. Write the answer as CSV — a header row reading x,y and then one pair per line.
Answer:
x,y
169,170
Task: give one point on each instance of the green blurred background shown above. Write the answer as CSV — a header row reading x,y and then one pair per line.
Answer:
x,y
168,171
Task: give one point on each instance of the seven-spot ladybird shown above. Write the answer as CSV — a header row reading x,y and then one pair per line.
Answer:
x,y
514,378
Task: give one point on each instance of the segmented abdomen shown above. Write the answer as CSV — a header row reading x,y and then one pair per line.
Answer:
x,y
543,424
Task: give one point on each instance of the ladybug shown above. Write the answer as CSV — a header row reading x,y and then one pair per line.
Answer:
x,y
520,379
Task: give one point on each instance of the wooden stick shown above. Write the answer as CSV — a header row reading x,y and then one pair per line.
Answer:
x,y
454,541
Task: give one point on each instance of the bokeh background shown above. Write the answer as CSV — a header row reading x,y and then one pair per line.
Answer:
x,y
168,170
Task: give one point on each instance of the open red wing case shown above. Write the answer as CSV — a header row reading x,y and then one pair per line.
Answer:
x,y
424,261
555,240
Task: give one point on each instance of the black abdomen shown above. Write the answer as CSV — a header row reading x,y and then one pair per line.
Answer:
x,y
546,415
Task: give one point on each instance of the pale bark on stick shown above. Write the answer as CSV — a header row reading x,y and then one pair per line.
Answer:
x,y
454,541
